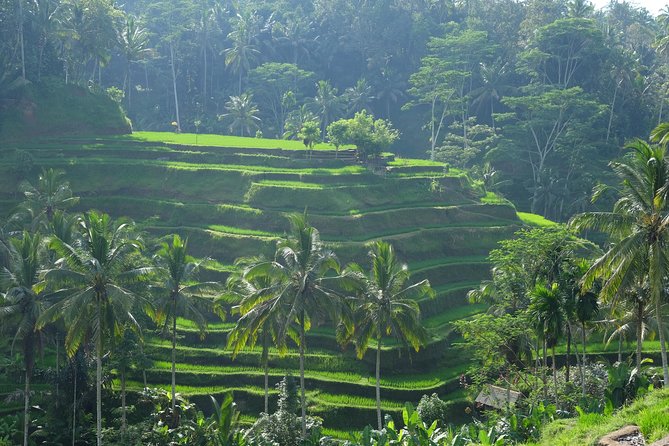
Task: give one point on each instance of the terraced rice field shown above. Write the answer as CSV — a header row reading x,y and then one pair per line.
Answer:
x,y
229,197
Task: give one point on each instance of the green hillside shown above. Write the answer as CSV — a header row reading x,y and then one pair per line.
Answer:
x,y
229,198
51,107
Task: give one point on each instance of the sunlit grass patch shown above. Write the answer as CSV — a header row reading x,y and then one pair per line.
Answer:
x,y
225,141
535,220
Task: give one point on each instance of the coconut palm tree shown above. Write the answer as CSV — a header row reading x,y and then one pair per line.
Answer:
x,y
23,304
493,89
385,305
305,273
633,314
327,105
179,294
92,277
640,224
547,312
358,97
586,310
133,42
243,112
243,51
254,305
41,202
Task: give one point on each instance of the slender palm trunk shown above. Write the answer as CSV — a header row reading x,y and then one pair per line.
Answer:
x,y
543,372
613,106
620,348
174,360
554,366
74,405
26,409
583,340
123,405
23,54
57,365
568,357
240,81
141,346
584,358
639,332
304,401
174,87
378,383
265,355
663,346
98,380
656,278
492,114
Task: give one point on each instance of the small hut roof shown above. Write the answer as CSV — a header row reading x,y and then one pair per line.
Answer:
x,y
497,397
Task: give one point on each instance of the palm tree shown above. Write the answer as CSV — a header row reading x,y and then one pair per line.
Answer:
x,y
95,302
243,51
587,309
133,41
327,104
46,18
640,224
493,76
386,306
23,305
254,294
358,97
179,294
243,112
41,202
547,312
302,271
632,314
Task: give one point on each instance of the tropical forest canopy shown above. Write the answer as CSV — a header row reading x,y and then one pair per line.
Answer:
x,y
542,93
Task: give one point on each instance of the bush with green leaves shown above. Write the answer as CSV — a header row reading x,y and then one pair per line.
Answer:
x,y
10,430
283,427
431,408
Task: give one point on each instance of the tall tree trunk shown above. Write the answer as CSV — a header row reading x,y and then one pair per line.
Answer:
x,y
613,105
265,355
639,332
174,360
240,81
663,346
57,364
174,88
23,53
41,57
554,366
620,348
98,380
123,405
204,77
74,404
568,365
26,409
492,114
656,279
584,362
543,373
378,383
304,401
129,80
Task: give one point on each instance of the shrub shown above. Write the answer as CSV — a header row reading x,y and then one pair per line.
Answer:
x,y
432,408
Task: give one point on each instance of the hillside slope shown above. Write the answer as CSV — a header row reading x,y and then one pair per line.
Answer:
x,y
231,202
52,108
